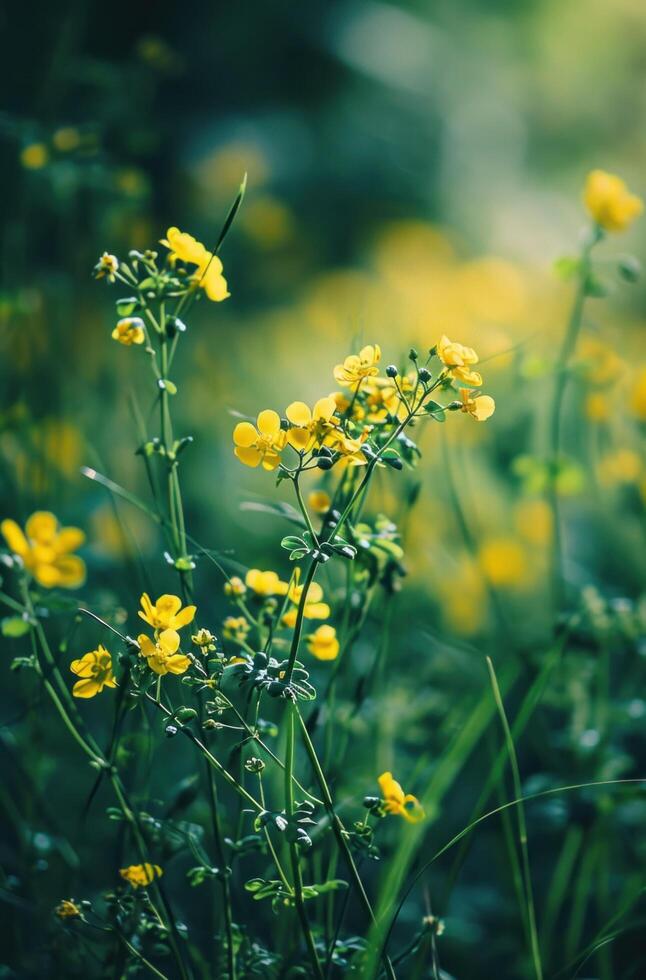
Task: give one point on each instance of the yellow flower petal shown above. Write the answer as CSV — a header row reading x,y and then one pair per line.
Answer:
x,y
249,456
245,435
42,526
298,413
16,540
268,423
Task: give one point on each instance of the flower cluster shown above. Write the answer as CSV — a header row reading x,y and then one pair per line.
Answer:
x,y
46,550
166,616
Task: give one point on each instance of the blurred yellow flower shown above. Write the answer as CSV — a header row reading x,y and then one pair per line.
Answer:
x,y
235,628
166,613
534,521
609,201
396,801
45,549
162,655
620,466
638,396
601,363
95,671
262,444
597,407
208,275
323,643
235,586
319,501
457,359
107,267
504,562
67,909
480,408
141,875
359,366
265,583
310,427
66,139
129,331
35,156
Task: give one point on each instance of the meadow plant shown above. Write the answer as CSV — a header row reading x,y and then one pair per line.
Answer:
x,y
262,743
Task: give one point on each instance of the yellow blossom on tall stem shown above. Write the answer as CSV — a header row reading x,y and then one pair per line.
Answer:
x,y
310,427
261,444
396,801
265,583
141,875
46,550
129,331
319,501
314,607
162,654
609,201
323,643
166,613
480,407
107,267
359,366
458,359
95,671
67,909
208,275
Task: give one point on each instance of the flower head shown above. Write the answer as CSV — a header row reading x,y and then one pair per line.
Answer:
x,y
95,671
314,608
208,275
323,643
310,427
348,448
205,640
162,653
396,801
129,331
609,201
34,156
457,359
166,613
359,366
265,583
235,628
67,909
46,550
481,407
319,501
235,586
107,267
141,875
261,444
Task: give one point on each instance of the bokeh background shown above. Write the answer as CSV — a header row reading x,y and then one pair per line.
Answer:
x,y
413,169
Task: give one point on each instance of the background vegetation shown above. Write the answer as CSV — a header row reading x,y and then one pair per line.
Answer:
x,y
413,170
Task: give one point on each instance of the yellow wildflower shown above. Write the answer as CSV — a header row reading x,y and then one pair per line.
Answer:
x,y
235,586
263,444
620,466
208,275
67,909
66,139
107,267
348,448
205,640
609,201
323,644
597,407
457,359
95,669
638,396
534,521
314,607
45,549
319,501
141,875
265,583
396,801
162,654
480,408
34,157
129,331
504,562
310,427
359,366
384,399
166,613
235,628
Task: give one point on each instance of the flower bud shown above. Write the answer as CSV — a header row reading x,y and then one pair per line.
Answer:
x,y
424,375
413,355
325,463
391,371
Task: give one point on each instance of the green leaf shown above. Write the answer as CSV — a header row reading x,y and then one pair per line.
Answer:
x,y
435,410
567,267
127,306
15,626
168,386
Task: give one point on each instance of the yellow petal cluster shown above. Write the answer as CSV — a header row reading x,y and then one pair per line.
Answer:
x,y
166,613
129,331
141,875
323,643
46,550
310,427
95,671
609,201
265,583
480,407
208,275
162,653
314,607
357,367
260,443
396,801
457,359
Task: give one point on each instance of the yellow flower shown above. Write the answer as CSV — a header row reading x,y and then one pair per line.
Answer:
x,y
107,267
609,201
166,613
265,583
597,408
356,367
208,275
534,521
67,909
235,628
129,331
162,655
384,399
46,548
140,875
504,562
66,139
319,501
638,396
480,408
205,640
620,466
396,801
458,359
260,445
314,608
310,427
95,669
349,449
34,157
235,586
323,644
